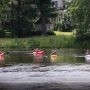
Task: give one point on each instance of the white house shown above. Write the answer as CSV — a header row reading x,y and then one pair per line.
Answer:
x,y
38,26
49,26
59,4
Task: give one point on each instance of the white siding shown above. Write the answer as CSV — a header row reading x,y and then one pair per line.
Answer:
x,y
60,3
48,27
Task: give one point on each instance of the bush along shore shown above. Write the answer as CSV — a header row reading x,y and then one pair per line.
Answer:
x,y
43,42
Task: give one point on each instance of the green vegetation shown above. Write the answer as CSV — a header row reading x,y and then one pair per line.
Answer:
x,y
19,17
47,11
80,14
42,42
63,33
60,41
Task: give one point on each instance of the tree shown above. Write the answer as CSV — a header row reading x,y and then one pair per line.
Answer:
x,y
80,11
3,7
46,10
23,13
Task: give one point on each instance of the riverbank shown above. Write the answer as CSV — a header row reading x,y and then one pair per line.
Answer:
x,y
60,41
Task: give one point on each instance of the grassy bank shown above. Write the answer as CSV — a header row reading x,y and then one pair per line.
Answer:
x,y
42,42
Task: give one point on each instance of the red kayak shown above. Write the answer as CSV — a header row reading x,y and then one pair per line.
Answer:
x,y
38,53
1,55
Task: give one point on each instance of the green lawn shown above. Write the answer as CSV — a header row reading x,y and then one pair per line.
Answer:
x,y
63,33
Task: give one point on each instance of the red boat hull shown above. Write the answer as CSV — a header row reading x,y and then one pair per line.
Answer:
x,y
38,53
1,56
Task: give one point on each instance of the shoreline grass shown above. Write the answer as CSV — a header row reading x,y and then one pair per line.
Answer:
x,y
60,41
42,42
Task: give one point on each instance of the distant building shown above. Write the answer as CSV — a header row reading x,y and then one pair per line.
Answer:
x,y
38,25
59,5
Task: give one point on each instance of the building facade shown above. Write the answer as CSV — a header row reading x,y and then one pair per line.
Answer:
x,y
59,5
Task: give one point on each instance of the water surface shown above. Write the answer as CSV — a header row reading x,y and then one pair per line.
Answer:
x,y
25,72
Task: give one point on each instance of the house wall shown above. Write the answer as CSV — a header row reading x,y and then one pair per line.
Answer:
x,y
48,27
59,4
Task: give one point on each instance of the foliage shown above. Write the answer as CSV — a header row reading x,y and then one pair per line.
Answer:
x,y
67,23
41,42
18,16
3,7
80,11
46,11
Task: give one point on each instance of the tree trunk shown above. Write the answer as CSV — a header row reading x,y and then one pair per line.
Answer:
x,y
43,25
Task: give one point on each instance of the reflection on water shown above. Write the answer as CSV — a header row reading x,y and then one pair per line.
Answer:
x,y
64,56
39,59
33,73
42,77
2,57
54,58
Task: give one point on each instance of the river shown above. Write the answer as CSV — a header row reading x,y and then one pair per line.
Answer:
x,y
21,71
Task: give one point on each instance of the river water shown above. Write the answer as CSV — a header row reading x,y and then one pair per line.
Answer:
x,y
22,71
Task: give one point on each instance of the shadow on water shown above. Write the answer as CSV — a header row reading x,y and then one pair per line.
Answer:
x,y
53,86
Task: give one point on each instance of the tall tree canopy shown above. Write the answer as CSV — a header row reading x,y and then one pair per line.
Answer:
x,y
20,15
3,7
17,16
46,10
80,11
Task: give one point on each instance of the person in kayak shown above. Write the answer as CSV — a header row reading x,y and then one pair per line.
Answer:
x,y
53,52
87,52
37,52
53,56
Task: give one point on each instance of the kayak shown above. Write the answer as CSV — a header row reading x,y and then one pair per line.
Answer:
x,y
87,57
38,53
